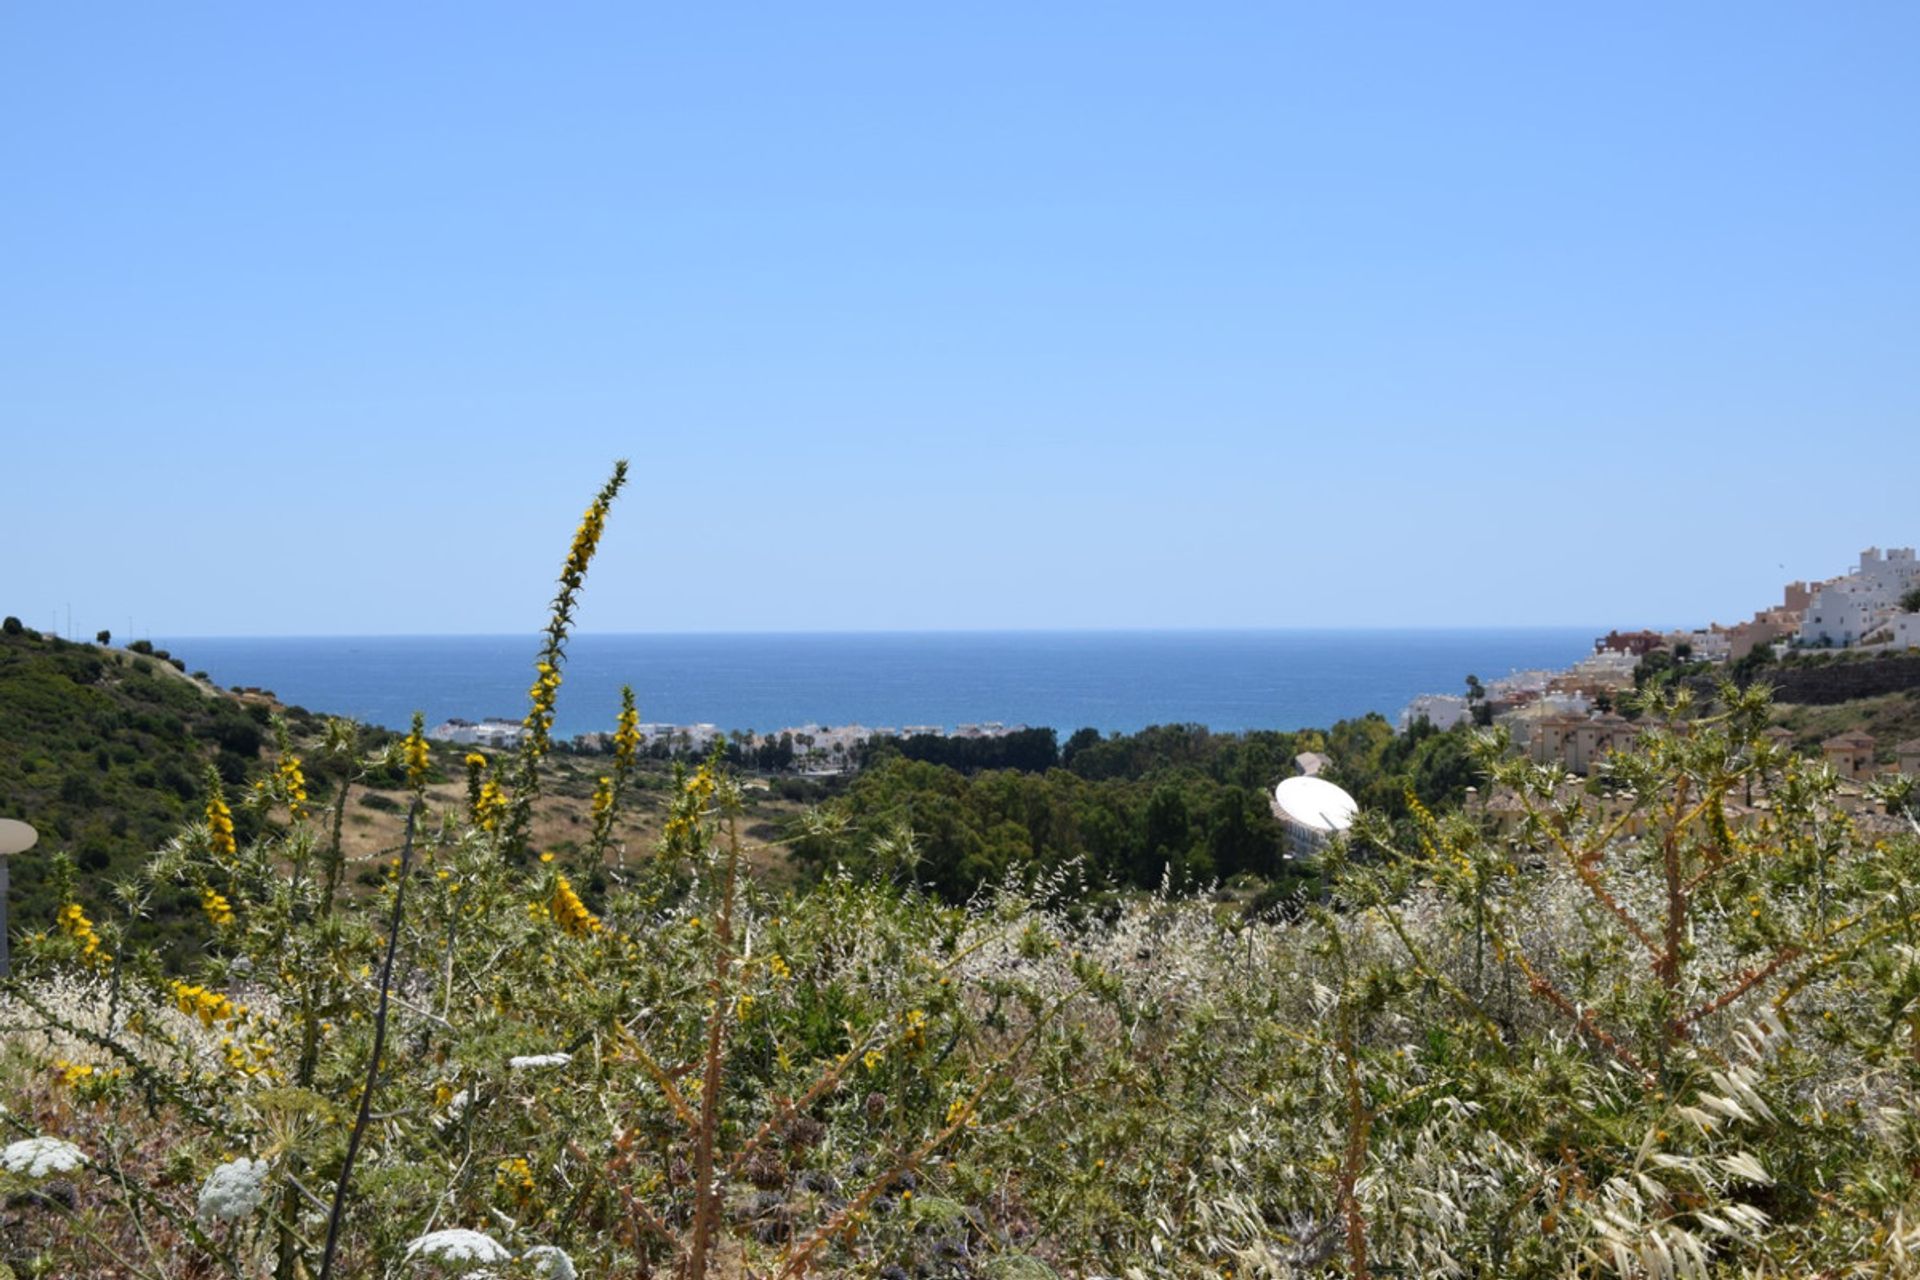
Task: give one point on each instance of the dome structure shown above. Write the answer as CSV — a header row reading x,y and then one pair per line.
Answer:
x,y
1311,811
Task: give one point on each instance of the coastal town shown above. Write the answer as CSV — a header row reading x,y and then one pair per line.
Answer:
x,y
808,749
1569,717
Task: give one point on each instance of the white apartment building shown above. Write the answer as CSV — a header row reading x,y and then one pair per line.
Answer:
x,y
501,735
1848,609
1441,710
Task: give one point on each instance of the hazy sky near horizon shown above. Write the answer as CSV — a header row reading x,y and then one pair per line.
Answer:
x,y
330,318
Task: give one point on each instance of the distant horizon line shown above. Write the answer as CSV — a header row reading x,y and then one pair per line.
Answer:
x,y
823,632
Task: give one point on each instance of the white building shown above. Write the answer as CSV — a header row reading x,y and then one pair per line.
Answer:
x,y
1311,811
1608,668
678,737
1848,609
501,735
1703,646
1441,710
1519,686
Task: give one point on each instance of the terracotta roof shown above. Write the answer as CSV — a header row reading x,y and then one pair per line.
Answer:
x,y
1851,738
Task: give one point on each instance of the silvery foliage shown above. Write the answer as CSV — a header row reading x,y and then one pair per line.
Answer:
x,y
41,1157
233,1190
1261,1196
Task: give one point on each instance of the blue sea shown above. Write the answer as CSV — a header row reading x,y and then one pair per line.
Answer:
x,y
1111,680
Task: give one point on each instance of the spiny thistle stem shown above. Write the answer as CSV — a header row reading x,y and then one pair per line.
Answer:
x,y
611,789
379,1042
546,685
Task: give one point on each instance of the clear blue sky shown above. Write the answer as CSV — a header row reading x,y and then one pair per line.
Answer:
x,y
329,318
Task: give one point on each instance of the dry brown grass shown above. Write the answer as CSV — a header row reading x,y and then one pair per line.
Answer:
x,y
562,816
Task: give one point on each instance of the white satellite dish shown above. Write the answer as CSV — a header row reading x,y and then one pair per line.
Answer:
x,y
16,836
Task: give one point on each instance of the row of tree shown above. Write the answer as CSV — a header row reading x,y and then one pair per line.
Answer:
x,y
1173,804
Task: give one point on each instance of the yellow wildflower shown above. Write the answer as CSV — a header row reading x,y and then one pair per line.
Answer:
x,y
220,825
490,806
208,1006
73,922
516,1175
294,784
215,904
571,913
417,755
542,693
626,732
71,1073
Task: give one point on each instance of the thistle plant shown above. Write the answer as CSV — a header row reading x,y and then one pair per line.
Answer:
x,y
553,653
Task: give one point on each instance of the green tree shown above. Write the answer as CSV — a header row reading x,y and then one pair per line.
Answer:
x,y
1080,741
1169,831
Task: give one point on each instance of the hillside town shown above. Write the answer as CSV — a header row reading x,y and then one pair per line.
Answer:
x,y
1569,717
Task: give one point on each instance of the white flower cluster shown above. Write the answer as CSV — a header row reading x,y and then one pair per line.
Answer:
x,y
550,1262
38,1157
537,1061
233,1191
458,1245
463,1248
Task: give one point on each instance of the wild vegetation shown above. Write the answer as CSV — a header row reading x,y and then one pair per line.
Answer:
x,y
1627,1034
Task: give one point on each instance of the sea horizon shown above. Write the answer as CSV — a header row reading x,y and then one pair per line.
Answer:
x,y
1229,679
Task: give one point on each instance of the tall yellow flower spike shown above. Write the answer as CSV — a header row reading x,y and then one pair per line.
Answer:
x,y
490,806
418,758
220,825
626,732
294,781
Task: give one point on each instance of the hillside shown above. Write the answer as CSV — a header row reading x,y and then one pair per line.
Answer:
x,y
106,753
1819,695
